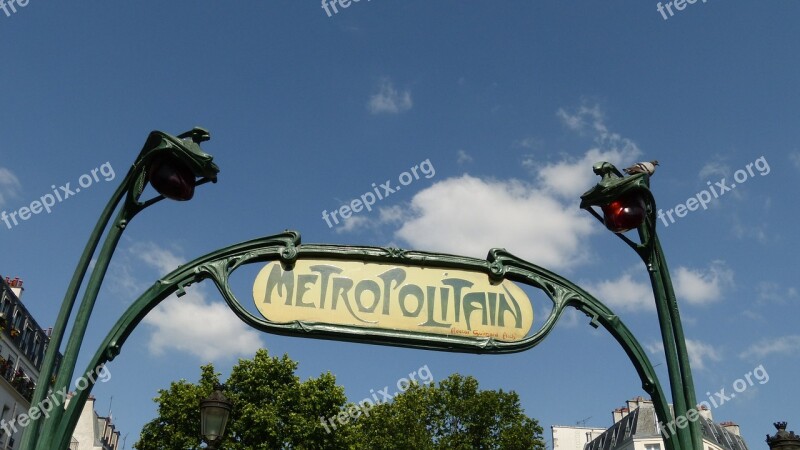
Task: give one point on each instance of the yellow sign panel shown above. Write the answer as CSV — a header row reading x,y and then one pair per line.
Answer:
x,y
391,297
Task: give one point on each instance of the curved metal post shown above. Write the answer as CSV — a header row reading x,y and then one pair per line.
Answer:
x,y
614,186
51,355
185,148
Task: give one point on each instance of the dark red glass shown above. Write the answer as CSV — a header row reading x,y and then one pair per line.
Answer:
x,y
171,178
625,213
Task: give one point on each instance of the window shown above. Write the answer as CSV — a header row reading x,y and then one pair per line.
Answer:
x,y
9,367
652,447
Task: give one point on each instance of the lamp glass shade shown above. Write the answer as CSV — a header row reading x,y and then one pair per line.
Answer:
x,y
214,413
171,177
625,213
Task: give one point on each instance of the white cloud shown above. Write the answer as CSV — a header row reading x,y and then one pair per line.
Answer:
x,y
753,315
354,223
190,324
468,215
714,171
759,233
577,121
9,185
699,352
770,292
788,345
572,177
538,220
571,318
193,325
568,177
700,287
591,121
794,157
530,163
529,143
392,214
156,256
463,157
389,100
625,293
633,292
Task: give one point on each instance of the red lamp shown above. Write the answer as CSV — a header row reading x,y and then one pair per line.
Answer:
x,y
625,213
171,177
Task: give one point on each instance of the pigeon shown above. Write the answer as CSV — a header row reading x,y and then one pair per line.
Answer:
x,y
642,167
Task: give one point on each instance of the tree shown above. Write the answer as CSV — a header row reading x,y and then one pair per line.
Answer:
x,y
456,415
273,409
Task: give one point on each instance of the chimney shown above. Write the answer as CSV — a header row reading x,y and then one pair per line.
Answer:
x,y
704,412
619,414
636,402
16,286
732,427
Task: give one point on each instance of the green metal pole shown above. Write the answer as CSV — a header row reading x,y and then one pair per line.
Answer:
x,y
183,150
82,317
666,325
48,364
680,340
613,187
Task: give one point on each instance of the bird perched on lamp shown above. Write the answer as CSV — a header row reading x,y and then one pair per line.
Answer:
x,y
642,167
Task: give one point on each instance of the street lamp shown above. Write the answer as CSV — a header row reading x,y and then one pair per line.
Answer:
x,y
625,213
214,412
628,204
173,165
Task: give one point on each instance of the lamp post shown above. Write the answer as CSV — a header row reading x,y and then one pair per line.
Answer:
x,y
173,166
214,412
628,204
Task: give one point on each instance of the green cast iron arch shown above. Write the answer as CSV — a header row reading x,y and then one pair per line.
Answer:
x,y
286,247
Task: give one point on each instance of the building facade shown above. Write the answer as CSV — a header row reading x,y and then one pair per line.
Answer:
x,y
22,347
567,437
94,432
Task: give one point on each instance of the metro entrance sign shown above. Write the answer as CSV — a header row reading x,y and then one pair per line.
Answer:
x,y
372,295
290,264
390,296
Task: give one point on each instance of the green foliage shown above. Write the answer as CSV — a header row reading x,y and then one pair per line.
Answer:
x,y
178,421
455,415
273,409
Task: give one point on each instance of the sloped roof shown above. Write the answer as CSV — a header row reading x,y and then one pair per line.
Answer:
x,y
641,423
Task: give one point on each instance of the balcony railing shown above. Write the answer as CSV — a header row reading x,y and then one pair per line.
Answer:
x,y
17,378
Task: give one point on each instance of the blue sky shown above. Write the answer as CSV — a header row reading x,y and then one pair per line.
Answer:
x,y
511,103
